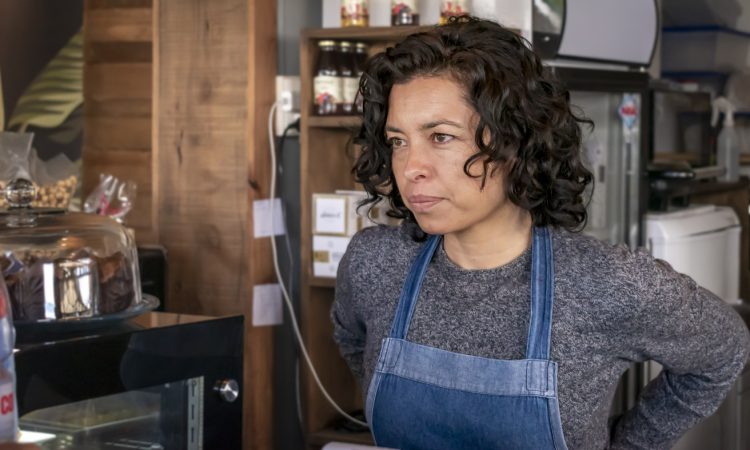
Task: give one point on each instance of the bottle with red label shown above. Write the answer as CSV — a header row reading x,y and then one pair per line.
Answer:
x,y
327,83
8,412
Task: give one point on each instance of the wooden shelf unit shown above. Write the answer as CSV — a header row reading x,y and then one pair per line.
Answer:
x,y
326,160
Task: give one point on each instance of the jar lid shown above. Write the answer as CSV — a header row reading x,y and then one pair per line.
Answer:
x,y
326,44
361,45
345,44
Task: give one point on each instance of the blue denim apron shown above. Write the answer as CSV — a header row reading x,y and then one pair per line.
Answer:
x,y
426,398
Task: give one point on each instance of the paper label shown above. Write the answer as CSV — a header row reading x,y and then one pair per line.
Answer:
x,y
454,7
398,5
330,215
7,411
268,307
628,111
327,253
351,87
268,218
327,90
354,9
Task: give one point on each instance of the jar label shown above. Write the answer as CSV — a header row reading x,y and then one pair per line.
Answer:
x,y
454,7
327,91
7,410
354,9
351,87
397,6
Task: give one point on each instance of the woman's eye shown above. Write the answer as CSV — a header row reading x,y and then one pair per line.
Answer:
x,y
396,142
442,138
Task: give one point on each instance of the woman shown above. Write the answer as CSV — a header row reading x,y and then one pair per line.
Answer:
x,y
486,320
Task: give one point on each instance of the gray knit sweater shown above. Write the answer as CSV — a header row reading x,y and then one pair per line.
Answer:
x,y
611,307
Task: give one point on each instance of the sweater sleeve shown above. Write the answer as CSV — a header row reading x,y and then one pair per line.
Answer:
x,y
700,341
348,329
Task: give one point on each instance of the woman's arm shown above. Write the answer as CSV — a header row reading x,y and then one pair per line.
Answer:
x,y
701,342
348,330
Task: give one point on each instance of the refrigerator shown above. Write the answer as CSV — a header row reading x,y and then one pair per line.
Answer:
x,y
616,150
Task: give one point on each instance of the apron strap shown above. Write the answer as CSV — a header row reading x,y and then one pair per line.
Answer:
x,y
412,286
542,291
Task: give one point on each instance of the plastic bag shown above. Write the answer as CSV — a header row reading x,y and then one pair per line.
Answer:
x,y
111,197
55,180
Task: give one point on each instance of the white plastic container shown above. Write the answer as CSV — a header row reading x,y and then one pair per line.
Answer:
x,y
728,142
704,51
702,242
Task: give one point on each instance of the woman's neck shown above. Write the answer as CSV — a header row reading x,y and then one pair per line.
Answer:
x,y
491,244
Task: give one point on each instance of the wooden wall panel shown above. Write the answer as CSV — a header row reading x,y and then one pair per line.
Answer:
x,y
181,108
202,152
117,102
117,24
215,65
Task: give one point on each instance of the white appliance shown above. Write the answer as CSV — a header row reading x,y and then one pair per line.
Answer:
x,y
702,242
616,31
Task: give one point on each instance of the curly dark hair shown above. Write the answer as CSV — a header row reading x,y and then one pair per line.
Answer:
x,y
534,137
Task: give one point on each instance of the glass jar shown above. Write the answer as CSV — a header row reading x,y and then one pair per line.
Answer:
x,y
452,8
327,84
60,265
355,13
360,57
404,12
349,79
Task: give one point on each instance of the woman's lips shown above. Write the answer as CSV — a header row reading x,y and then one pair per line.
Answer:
x,y
423,203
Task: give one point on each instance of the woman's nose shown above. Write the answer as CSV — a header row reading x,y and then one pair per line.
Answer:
x,y
417,163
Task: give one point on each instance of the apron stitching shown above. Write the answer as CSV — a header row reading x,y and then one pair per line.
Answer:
x,y
539,394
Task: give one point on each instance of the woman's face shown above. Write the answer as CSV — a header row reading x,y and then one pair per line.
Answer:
x,y
431,127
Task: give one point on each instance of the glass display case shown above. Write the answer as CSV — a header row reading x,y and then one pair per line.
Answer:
x,y
61,265
159,381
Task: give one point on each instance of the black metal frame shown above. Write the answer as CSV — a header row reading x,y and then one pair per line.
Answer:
x,y
127,357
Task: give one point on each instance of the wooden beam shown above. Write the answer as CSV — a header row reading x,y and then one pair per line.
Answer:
x,y
216,64
262,45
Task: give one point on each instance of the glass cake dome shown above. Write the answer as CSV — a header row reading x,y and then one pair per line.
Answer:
x,y
62,265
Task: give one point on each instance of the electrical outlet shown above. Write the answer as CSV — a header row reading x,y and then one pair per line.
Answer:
x,y
288,110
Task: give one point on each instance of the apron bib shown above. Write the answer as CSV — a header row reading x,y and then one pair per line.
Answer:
x,y
422,397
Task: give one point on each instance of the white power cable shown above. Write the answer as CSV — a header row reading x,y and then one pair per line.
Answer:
x,y
284,292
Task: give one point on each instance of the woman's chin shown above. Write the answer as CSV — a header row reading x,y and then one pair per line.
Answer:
x,y
432,227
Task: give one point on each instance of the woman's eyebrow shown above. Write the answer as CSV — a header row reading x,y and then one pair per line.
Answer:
x,y
435,123
427,126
